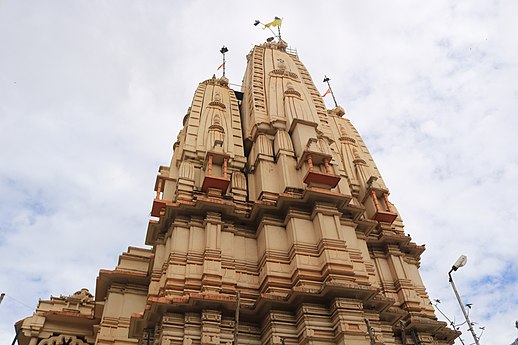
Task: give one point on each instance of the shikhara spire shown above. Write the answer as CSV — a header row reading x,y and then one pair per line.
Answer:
x,y
271,197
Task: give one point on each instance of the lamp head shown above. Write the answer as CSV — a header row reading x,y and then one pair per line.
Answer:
x,y
461,261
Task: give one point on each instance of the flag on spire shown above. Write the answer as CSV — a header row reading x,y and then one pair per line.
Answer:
x,y
327,92
276,22
220,66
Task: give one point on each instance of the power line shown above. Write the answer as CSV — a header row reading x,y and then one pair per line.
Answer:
x,y
3,295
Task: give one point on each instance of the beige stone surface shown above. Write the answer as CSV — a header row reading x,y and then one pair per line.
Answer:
x,y
270,195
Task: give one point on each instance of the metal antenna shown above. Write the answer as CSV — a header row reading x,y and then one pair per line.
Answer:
x,y
326,80
223,50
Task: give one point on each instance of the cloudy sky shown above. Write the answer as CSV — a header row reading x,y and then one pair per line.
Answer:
x,y
92,94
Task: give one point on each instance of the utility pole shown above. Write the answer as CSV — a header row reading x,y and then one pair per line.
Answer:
x,y
461,261
468,321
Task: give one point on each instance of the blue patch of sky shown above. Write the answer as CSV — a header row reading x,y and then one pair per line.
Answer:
x,y
21,199
507,277
465,58
373,142
37,205
427,91
35,279
442,170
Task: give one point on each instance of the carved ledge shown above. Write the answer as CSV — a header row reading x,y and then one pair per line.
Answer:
x,y
215,182
384,216
158,208
320,179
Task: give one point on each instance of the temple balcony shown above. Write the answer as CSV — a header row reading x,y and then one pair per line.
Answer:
x,y
212,181
315,177
380,206
158,208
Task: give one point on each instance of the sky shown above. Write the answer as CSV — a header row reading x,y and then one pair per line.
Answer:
x,y
92,95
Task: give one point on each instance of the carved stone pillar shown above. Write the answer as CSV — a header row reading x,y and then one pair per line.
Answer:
x,y
185,185
210,327
212,273
238,186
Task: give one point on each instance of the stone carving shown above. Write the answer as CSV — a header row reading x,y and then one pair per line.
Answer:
x,y
290,91
62,340
264,146
343,133
357,159
324,146
238,180
211,315
217,102
216,135
281,70
186,170
282,142
83,295
210,339
281,64
310,332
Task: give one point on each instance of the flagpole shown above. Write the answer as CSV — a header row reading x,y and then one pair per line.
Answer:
x,y
224,63
267,25
326,80
273,32
223,50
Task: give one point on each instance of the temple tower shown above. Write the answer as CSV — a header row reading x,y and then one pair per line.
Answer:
x,y
273,198
270,194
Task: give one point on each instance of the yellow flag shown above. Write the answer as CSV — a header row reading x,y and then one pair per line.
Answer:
x,y
276,22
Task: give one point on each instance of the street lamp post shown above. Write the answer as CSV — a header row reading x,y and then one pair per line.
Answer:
x,y
461,261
